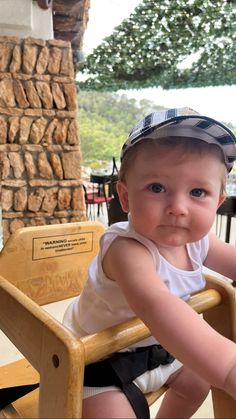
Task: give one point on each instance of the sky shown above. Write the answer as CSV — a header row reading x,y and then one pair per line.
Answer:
x,y
215,102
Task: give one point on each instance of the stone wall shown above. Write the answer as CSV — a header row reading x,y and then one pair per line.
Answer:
x,y
39,141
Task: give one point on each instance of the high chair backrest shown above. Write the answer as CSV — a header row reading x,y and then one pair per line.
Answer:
x,y
49,263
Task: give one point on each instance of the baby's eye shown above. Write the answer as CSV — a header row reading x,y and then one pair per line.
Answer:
x,y
156,188
198,193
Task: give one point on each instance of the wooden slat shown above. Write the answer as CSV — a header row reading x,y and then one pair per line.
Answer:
x,y
120,336
18,373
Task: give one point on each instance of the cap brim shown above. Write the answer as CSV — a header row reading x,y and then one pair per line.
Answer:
x,y
191,126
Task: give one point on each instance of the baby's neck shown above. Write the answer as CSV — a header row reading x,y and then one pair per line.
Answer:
x,y
177,256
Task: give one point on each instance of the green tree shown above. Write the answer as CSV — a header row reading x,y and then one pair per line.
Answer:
x,y
105,120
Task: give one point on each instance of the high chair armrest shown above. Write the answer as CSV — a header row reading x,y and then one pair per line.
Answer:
x,y
125,334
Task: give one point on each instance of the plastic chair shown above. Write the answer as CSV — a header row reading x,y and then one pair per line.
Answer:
x,y
99,195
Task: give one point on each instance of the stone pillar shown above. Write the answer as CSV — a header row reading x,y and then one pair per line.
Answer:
x,y
39,141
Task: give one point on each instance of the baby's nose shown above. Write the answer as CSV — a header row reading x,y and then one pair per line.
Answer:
x,y
177,206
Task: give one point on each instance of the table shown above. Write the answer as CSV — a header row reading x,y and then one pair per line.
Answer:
x,y
228,208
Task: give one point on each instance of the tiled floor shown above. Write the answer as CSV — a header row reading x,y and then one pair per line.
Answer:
x,y
9,353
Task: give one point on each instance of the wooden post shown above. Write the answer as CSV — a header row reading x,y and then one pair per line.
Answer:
x,y
223,319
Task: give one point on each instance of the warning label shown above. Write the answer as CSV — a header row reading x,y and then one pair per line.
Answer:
x,y
68,244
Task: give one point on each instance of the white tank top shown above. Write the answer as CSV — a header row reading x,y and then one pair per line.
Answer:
x,y
102,304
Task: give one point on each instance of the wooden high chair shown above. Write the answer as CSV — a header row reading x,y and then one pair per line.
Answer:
x,y
43,264
40,265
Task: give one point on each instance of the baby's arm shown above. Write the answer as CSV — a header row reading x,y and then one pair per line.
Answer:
x,y
171,321
221,257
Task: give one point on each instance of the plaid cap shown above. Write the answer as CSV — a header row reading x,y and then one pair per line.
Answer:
x,y
184,122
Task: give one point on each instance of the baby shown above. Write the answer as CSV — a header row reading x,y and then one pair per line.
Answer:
x,y
172,180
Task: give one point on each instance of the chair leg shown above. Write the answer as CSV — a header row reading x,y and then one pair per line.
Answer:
x,y
223,318
90,212
218,225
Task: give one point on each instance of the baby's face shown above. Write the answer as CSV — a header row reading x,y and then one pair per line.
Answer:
x,y
172,197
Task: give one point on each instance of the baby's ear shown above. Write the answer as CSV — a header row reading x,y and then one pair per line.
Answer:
x,y
222,198
123,195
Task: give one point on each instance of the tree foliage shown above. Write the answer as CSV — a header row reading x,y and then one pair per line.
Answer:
x,y
105,120
167,43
